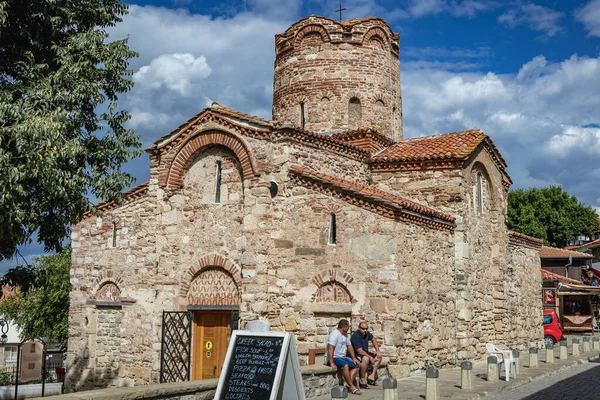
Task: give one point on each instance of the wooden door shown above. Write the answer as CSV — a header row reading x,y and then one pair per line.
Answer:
x,y
211,337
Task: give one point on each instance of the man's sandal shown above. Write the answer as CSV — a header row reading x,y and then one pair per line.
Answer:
x,y
372,382
363,386
356,391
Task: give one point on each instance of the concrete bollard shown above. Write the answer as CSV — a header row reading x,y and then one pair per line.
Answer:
x,y
390,389
549,354
466,375
516,356
432,391
492,369
533,358
563,349
596,343
586,344
339,392
575,350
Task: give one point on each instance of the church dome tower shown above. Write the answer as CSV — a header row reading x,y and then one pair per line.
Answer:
x,y
338,75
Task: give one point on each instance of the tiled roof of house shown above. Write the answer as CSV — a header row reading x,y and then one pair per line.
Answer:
x,y
551,275
553,252
455,145
367,139
589,245
376,200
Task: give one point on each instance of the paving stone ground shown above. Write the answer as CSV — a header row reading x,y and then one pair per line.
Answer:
x,y
579,375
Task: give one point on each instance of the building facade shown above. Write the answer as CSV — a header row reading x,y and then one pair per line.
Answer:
x,y
323,212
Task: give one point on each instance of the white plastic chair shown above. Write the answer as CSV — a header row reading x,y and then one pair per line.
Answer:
x,y
503,356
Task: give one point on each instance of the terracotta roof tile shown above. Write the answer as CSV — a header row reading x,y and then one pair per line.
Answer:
x,y
551,275
367,139
455,145
520,239
589,245
553,252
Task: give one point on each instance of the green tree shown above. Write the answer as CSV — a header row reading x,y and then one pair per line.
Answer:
x,y
40,303
57,70
550,214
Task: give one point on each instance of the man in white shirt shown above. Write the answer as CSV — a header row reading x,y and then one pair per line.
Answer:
x,y
338,346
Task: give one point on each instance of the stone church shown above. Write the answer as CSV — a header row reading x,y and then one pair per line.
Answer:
x,y
324,212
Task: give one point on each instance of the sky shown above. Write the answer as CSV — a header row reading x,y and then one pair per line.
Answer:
x,y
526,72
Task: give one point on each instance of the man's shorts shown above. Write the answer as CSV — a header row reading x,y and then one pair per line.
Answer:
x,y
341,362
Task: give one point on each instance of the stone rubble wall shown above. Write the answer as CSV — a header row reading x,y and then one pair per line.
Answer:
x,y
323,65
431,296
488,276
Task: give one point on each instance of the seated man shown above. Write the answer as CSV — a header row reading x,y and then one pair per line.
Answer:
x,y
360,342
338,344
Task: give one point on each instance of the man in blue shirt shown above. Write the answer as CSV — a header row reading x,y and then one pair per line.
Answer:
x,y
360,342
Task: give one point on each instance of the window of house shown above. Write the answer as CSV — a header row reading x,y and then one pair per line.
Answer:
x,y
479,193
10,354
114,234
354,113
332,229
302,120
218,183
273,188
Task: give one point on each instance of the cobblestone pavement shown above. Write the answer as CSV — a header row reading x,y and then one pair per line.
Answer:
x,y
577,383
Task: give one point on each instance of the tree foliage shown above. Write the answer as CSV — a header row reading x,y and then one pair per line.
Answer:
x,y
40,303
57,69
550,214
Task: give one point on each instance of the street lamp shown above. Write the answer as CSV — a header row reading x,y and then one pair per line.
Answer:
x,y
4,330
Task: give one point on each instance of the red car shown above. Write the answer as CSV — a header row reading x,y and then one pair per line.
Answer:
x,y
553,331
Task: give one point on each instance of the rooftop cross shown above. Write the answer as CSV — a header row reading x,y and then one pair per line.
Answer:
x,y
340,10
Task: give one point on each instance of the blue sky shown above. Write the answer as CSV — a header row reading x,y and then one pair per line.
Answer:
x,y
526,72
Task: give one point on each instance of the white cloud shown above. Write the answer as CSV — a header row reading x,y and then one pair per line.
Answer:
x,y
536,17
464,8
543,118
589,15
174,71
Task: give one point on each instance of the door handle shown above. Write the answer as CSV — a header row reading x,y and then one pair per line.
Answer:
x,y
215,371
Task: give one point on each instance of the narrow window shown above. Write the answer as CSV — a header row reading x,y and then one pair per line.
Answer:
x,y
354,113
302,115
332,228
479,194
218,184
273,189
114,234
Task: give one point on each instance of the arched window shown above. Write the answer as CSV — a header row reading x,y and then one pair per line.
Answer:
x,y
218,183
354,113
302,120
273,188
332,229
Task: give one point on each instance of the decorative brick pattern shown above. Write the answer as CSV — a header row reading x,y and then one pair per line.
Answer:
x,y
319,58
211,260
109,291
213,286
332,292
197,143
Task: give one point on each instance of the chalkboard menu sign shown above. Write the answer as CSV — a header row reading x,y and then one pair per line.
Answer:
x,y
259,366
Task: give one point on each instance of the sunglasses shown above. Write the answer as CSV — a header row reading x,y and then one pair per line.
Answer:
x,y
362,329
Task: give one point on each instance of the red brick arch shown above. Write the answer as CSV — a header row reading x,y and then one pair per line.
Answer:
x,y
309,29
195,144
211,261
376,33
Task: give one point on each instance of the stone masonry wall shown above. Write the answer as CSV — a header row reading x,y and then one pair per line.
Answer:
x,y
484,298
340,75
397,276
523,321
